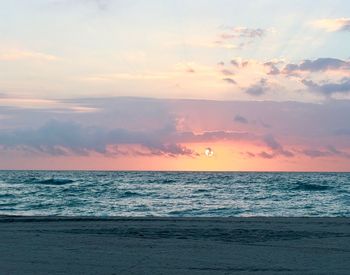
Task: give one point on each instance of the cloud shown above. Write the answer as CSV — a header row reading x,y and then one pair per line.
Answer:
x,y
342,132
71,138
227,76
259,88
190,70
227,72
272,143
164,127
330,151
130,76
213,136
324,75
234,63
263,124
242,36
265,155
274,70
317,65
44,104
220,44
313,153
243,32
15,54
278,72
240,119
276,149
229,80
249,154
287,118
59,137
333,25
328,88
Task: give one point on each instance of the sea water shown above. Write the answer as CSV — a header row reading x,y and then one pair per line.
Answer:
x,y
177,194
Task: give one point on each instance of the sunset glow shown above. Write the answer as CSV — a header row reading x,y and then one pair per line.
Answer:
x,y
175,85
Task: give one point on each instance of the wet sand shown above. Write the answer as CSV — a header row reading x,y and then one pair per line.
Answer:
x,y
51,245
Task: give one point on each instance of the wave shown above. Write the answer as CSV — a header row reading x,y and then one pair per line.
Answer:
x,y
161,180
201,190
168,181
129,194
10,196
51,181
192,194
311,187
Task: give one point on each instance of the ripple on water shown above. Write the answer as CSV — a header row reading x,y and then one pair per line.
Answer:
x,y
174,194
304,186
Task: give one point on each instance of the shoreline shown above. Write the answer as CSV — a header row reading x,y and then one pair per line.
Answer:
x,y
181,171
157,245
54,218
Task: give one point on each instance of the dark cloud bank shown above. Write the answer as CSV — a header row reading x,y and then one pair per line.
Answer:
x,y
161,127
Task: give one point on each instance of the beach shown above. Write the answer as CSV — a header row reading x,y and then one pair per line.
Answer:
x,y
257,245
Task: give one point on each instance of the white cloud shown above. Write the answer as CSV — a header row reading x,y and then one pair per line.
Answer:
x,y
16,54
333,25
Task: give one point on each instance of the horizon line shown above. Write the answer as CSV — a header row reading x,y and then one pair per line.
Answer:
x,y
171,171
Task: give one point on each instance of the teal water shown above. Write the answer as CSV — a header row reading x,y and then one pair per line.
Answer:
x,y
190,194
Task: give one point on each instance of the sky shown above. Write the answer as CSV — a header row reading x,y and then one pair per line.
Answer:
x,y
175,85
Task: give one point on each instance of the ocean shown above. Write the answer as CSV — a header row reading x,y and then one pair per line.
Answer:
x,y
174,194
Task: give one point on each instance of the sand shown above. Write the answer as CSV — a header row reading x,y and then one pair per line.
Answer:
x,y
51,245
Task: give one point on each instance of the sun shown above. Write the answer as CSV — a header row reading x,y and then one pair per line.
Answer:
x,y
209,152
